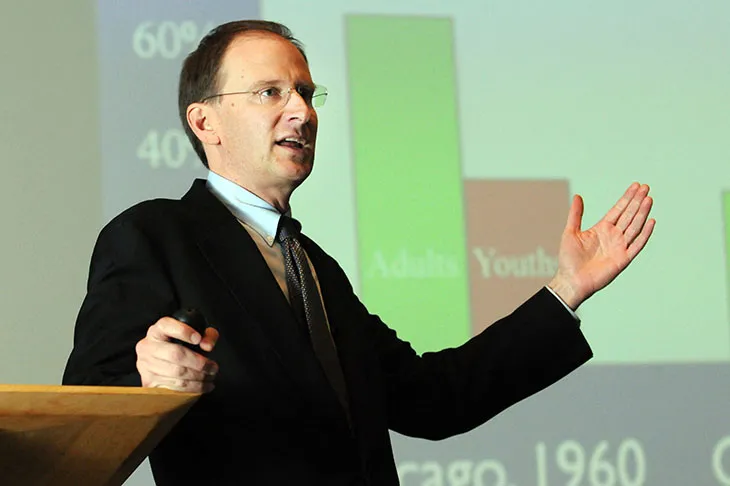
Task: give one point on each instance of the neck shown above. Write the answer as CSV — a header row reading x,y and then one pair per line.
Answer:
x,y
276,196
281,204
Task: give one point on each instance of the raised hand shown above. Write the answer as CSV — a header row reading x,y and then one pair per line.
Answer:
x,y
589,260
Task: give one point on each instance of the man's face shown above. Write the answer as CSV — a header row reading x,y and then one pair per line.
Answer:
x,y
264,147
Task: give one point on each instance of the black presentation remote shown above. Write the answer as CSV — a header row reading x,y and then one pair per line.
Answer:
x,y
193,318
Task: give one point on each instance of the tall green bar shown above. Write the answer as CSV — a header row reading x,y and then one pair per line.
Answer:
x,y
410,204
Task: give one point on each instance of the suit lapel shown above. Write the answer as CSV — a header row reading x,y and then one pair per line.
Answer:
x,y
234,257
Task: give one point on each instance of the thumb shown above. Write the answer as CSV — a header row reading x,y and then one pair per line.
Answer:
x,y
575,215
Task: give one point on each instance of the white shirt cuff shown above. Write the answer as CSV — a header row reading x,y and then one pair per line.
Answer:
x,y
572,312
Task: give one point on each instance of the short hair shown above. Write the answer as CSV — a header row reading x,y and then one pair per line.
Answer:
x,y
199,74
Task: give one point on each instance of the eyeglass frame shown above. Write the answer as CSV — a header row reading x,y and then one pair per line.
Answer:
x,y
258,92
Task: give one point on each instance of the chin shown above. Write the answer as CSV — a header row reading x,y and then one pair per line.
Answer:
x,y
298,170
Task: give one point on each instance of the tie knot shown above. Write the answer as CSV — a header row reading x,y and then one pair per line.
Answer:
x,y
288,228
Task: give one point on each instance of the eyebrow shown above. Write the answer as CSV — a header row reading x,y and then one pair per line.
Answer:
x,y
265,82
277,82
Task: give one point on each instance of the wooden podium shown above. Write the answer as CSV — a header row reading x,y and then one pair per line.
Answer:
x,y
82,435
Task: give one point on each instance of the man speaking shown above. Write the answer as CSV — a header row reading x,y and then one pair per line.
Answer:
x,y
301,382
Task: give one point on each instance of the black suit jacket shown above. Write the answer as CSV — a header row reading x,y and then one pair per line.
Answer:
x,y
273,417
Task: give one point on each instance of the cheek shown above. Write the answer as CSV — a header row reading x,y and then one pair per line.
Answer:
x,y
248,133
314,123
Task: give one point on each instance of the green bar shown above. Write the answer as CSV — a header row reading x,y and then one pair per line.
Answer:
x,y
726,207
412,246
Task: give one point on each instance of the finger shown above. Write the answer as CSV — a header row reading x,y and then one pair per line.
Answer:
x,y
156,376
617,210
167,328
175,355
575,215
638,244
174,371
209,340
633,207
639,221
180,385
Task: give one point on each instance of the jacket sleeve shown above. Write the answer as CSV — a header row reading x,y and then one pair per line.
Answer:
x,y
128,290
441,394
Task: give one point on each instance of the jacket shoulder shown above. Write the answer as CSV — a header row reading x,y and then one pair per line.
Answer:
x,y
153,210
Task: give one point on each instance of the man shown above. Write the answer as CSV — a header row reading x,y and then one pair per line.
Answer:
x,y
278,409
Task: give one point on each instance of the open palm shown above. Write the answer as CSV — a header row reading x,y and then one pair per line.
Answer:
x,y
589,260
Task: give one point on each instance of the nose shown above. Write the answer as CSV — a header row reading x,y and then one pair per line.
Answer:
x,y
297,107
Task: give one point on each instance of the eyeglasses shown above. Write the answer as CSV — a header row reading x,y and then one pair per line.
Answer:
x,y
313,96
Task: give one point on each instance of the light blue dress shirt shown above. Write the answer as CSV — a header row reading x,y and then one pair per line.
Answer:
x,y
246,206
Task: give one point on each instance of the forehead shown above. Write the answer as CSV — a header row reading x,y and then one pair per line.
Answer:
x,y
256,56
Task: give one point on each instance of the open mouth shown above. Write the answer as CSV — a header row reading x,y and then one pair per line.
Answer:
x,y
293,142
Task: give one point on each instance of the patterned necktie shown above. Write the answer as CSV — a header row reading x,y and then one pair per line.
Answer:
x,y
305,299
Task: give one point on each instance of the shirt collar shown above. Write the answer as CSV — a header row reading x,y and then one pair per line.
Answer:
x,y
261,216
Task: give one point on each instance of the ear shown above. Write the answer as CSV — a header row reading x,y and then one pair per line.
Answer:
x,y
201,120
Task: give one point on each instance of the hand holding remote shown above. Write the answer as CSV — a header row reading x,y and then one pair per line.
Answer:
x,y
162,364
193,318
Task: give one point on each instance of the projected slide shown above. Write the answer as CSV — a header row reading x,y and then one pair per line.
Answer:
x,y
439,255
453,138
